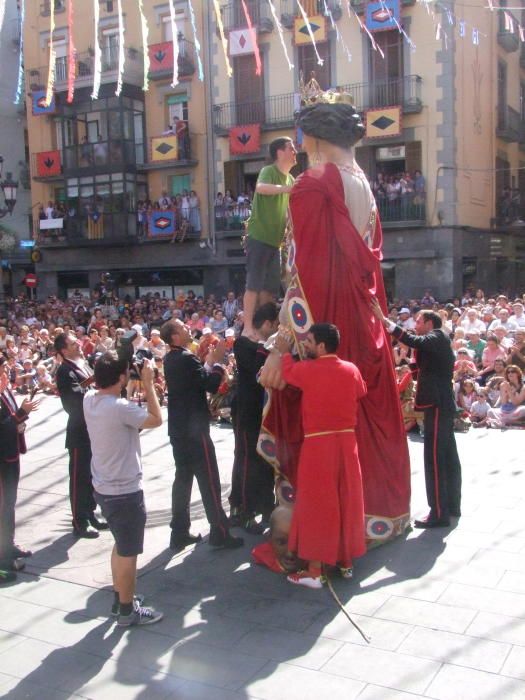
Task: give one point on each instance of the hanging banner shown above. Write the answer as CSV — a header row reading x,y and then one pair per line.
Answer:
x,y
245,139
241,42
48,163
161,223
383,123
95,225
164,148
381,16
71,55
38,99
161,57
317,27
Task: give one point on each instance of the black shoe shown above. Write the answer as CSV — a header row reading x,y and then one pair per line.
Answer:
x,y
431,522
99,524
86,530
180,542
7,576
226,542
236,517
20,552
252,527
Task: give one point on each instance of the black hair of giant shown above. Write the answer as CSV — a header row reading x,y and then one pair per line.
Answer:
x,y
338,123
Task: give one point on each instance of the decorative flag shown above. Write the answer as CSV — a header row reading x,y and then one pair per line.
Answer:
x,y
20,83
52,55
145,44
240,42
97,73
315,26
161,223
164,148
196,40
175,38
253,35
381,16
245,139
382,123
161,57
39,103
71,55
281,33
320,24
95,225
121,52
224,40
48,163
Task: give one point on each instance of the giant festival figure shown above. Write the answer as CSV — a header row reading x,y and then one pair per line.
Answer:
x,y
334,265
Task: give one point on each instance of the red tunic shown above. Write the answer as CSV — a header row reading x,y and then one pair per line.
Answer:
x,y
328,518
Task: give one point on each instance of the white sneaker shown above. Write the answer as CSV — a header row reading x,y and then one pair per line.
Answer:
x,y
303,579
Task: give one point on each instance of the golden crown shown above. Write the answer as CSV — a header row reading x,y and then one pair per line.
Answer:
x,y
312,93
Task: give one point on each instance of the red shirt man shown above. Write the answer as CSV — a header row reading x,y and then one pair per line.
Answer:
x,y
328,520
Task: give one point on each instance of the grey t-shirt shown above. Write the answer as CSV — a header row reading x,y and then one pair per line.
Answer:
x,y
113,425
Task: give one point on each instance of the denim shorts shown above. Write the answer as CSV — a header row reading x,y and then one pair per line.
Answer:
x,y
263,267
126,516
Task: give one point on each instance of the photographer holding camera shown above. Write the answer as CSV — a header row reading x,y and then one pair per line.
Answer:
x,y
188,380
74,376
113,424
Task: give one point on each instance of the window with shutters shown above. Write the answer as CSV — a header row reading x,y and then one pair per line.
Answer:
x,y
307,60
387,73
249,91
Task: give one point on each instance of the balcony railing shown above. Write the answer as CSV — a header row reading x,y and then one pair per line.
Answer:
x,y
45,7
233,16
102,229
166,152
232,217
509,125
36,78
508,37
161,59
278,111
405,209
312,7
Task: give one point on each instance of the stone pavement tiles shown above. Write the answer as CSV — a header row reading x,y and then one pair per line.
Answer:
x,y
445,609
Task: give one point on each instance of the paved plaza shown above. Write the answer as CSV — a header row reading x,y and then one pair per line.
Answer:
x,y
445,609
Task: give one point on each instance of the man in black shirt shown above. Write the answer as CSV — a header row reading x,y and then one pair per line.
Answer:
x,y
188,380
435,397
74,377
252,477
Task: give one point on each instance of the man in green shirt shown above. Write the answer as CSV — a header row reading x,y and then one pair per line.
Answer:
x,y
476,345
266,227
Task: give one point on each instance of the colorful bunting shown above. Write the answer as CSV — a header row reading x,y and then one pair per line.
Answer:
x,y
175,38
121,52
245,139
281,33
328,13
364,28
196,41
145,42
20,83
52,56
71,55
97,73
224,40
310,32
253,34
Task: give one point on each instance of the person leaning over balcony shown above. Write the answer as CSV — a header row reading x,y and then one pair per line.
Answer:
x,y
266,227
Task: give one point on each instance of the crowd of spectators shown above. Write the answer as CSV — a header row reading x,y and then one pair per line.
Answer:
x,y
400,196
487,333
187,209
232,211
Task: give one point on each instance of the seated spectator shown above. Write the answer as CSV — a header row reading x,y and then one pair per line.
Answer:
x,y
26,380
44,381
479,409
505,338
405,320
503,319
493,390
492,352
510,408
518,315
472,322
516,352
476,345
466,394
219,324
156,345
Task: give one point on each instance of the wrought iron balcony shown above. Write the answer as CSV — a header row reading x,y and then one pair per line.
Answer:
x,y
169,151
105,228
278,111
45,7
509,125
289,10
36,78
508,37
360,5
161,59
402,211
233,16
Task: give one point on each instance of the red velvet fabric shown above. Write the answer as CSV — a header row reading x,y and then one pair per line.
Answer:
x,y
339,275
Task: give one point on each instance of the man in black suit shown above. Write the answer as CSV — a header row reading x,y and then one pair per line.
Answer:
x,y
12,445
74,377
188,380
435,397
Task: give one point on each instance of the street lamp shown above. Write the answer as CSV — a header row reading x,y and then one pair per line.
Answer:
x,y
9,190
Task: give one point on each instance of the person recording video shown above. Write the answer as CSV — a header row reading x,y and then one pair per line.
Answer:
x,y
113,425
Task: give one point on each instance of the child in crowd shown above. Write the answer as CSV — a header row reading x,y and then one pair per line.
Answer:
x,y
479,409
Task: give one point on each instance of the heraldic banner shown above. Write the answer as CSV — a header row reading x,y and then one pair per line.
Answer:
x,y
161,223
48,163
245,139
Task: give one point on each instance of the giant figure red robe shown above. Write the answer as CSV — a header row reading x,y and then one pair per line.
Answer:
x,y
335,272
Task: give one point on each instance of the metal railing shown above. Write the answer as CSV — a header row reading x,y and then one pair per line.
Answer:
x,y
406,208
312,7
231,217
108,228
233,16
280,109
99,154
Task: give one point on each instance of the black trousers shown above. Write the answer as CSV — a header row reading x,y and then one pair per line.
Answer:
x,y
252,477
442,465
80,485
195,457
9,477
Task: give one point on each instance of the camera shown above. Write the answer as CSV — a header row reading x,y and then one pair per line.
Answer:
x,y
126,351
